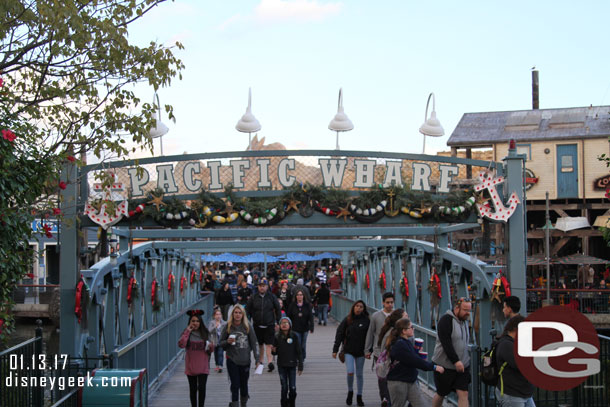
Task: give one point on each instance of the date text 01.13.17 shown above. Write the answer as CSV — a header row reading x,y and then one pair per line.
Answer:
x,y
38,362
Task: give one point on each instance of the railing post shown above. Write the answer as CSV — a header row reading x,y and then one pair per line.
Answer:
x,y
38,391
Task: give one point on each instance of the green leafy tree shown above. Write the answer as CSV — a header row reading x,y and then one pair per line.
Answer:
x,y
67,76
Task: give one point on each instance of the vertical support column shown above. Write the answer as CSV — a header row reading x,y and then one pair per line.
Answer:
x,y
109,333
516,227
413,299
68,263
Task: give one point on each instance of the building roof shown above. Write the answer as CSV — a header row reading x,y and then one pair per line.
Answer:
x,y
487,128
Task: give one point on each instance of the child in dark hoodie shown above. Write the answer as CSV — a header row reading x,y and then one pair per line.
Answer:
x,y
289,359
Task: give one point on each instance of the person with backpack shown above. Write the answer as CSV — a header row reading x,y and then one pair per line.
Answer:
x,y
289,361
512,389
451,352
352,334
404,362
372,338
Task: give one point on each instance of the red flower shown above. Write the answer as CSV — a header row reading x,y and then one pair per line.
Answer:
x,y
49,235
56,211
46,227
8,135
30,275
71,158
62,185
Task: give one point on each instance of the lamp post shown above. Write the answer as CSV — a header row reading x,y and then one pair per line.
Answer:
x,y
248,123
340,122
160,129
431,127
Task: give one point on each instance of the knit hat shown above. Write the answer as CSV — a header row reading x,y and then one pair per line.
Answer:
x,y
287,319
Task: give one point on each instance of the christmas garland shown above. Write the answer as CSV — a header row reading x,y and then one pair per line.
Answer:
x,y
382,281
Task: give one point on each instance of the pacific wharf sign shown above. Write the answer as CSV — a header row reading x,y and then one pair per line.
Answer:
x,y
278,173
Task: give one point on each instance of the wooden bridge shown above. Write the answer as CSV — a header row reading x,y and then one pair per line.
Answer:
x,y
323,382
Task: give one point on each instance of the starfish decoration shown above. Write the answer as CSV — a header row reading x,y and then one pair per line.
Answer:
x,y
228,206
344,212
293,204
157,201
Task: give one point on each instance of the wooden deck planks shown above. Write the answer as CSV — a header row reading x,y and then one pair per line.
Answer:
x,y
323,383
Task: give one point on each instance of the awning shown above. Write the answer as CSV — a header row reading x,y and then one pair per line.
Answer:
x,y
296,257
327,255
259,258
570,223
579,259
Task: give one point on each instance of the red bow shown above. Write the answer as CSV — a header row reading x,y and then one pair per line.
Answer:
x,y
78,306
153,292
182,281
130,286
201,275
355,276
368,281
193,276
505,284
383,280
170,277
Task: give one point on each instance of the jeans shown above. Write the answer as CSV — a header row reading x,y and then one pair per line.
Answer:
x,y
218,355
513,401
303,339
354,364
238,375
197,384
323,313
384,393
288,380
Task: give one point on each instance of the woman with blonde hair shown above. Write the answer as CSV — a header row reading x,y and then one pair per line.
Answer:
x,y
238,340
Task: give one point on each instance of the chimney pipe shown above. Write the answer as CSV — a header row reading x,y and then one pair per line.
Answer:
x,y
535,94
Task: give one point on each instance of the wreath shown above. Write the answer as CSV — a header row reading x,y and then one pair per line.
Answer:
x,y
404,285
132,289
382,281
182,284
193,277
80,298
154,299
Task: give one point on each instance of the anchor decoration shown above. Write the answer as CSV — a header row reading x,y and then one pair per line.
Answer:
x,y
502,213
107,195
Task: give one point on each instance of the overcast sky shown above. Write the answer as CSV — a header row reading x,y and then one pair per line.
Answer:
x,y
386,55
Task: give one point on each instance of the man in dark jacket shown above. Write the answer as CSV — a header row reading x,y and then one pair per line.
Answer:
x,y
512,389
265,311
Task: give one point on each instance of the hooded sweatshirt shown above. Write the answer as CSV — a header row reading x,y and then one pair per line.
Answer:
x,y
514,382
451,342
197,359
245,342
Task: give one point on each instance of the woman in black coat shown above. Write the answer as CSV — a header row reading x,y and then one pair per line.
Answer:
x,y
300,313
352,334
224,299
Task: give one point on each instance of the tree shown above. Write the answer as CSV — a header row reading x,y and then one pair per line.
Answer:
x,y
67,70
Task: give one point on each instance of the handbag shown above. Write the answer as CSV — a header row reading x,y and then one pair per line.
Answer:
x,y
341,355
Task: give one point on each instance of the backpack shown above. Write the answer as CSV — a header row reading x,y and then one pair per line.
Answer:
x,y
384,364
489,366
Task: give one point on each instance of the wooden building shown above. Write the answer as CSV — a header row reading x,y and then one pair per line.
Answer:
x,y
561,147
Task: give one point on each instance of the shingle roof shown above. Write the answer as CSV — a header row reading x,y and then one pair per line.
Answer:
x,y
487,128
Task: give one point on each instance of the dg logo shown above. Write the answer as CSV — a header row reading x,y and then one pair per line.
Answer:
x,y
557,348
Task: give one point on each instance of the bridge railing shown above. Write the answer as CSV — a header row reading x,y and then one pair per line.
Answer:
x,y
587,301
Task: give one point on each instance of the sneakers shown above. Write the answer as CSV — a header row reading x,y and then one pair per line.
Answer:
x,y
270,367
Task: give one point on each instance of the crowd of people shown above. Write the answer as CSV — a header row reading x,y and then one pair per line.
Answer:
x,y
272,320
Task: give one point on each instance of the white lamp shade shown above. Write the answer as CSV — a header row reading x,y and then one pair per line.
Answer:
x,y
340,122
248,123
159,130
432,127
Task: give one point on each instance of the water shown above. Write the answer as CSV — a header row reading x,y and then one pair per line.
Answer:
x,y
25,328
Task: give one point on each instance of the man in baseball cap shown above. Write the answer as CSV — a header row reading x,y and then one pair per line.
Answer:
x,y
265,311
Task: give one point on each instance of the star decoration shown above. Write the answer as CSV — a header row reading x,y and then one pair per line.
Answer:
x,y
344,212
228,207
293,204
157,201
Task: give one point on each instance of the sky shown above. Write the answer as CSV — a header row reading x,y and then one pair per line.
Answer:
x,y
386,55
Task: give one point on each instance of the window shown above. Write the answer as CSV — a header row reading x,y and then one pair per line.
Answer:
x,y
567,163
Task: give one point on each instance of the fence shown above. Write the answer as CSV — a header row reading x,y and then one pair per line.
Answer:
x,y
591,301
594,392
27,374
